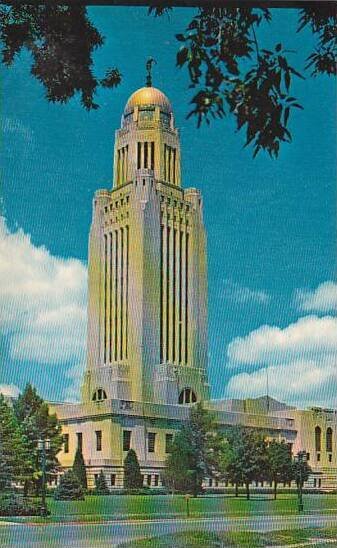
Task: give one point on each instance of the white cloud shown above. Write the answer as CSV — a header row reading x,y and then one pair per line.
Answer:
x,y
301,360
10,390
308,337
243,295
42,301
322,299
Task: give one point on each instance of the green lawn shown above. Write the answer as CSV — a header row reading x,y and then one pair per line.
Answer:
x,y
235,538
97,508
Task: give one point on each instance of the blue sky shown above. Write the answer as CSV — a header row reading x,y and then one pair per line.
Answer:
x,y
271,224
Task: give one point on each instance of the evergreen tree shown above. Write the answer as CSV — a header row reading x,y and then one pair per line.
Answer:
x,y
194,453
279,463
79,468
14,455
101,487
132,476
36,423
69,487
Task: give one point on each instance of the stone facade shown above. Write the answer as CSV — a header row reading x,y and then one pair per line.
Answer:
x,y
147,318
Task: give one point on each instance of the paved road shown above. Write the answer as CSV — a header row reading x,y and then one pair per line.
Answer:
x,y
113,533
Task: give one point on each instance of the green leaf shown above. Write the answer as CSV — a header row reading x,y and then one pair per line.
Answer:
x,y
182,56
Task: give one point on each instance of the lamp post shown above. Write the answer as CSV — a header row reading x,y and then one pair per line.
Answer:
x,y
300,459
43,445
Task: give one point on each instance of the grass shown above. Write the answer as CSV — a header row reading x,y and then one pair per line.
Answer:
x,y
235,538
112,507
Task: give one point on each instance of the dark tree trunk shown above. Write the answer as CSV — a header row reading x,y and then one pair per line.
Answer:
x,y
275,489
236,489
247,490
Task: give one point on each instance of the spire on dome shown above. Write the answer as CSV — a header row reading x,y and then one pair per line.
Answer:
x,y
151,61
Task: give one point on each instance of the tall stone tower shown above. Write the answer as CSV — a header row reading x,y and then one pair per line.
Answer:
x,y
147,302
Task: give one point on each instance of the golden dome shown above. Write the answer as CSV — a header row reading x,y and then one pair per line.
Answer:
x,y
148,96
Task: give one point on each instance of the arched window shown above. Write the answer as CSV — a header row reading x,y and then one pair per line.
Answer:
x,y
187,396
329,440
99,395
318,435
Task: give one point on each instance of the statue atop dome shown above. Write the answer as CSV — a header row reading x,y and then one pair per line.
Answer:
x,y
151,61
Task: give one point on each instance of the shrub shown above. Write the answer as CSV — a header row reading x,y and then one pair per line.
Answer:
x,y
12,504
79,468
69,488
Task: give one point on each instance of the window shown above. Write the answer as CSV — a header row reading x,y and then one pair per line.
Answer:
x,y
98,440
314,482
210,482
329,440
319,482
168,443
187,396
308,456
99,395
149,480
113,480
330,457
151,440
318,434
79,440
126,440
66,443
156,480
318,457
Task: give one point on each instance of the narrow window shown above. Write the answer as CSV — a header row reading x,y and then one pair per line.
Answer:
x,y
145,154
151,439
168,443
105,292
127,293
110,302
126,440
308,456
318,434
98,440
180,295
161,294
79,440
122,296
174,297
149,480
156,480
116,289
139,152
113,480
168,293
152,155
329,440
330,458
186,298
318,457
66,443
174,166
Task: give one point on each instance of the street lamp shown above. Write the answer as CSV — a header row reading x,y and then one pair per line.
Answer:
x,y
300,459
43,445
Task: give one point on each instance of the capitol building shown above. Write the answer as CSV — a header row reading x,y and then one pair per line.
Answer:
x,y
147,319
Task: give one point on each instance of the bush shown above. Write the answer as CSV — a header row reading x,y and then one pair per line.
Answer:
x,y
79,469
12,504
69,488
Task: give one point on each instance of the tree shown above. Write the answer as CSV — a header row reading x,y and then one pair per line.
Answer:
x,y
36,423
279,463
14,455
133,479
194,453
69,487
246,460
101,487
230,70
79,468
